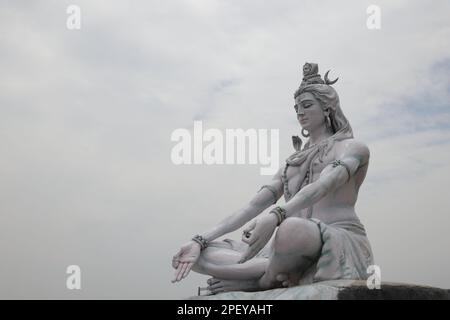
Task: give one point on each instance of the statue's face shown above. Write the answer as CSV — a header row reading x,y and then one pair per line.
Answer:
x,y
309,112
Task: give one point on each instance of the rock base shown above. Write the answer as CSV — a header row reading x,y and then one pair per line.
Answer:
x,y
338,290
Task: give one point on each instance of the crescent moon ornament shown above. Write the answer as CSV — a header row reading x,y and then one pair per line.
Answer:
x,y
328,81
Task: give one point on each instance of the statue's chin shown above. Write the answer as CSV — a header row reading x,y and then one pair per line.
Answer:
x,y
307,128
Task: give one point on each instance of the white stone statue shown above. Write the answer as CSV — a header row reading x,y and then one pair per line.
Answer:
x,y
316,235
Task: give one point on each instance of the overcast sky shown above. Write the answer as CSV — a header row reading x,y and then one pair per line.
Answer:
x,y
86,118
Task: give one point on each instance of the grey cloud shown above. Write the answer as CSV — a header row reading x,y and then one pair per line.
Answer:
x,y
86,118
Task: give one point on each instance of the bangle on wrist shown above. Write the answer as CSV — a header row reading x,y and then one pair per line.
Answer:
x,y
201,241
280,213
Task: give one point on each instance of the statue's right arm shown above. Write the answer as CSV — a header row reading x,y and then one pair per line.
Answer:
x,y
261,201
186,257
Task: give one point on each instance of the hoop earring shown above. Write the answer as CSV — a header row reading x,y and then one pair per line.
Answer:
x,y
328,123
305,135
328,120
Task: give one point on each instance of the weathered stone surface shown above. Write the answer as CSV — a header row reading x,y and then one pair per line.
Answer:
x,y
393,291
337,290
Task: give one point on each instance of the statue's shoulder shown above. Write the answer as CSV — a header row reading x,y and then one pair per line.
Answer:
x,y
353,147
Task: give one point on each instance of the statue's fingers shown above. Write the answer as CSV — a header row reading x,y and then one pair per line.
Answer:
x,y
176,261
249,237
179,272
175,276
251,226
188,269
188,259
177,255
182,270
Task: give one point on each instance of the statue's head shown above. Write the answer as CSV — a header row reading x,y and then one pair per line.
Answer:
x,y
317,103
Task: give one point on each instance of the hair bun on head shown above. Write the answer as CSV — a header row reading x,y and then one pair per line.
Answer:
x,y
311,76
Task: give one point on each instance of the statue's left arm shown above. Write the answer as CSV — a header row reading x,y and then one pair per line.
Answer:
x,y
355,155
336,174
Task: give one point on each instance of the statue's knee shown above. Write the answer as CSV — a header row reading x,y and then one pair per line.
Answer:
x,y
204,261
207,255
297,235
287,233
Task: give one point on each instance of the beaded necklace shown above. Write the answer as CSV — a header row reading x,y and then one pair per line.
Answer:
x,y
322,149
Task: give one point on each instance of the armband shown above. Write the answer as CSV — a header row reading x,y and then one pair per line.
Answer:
x,y
336,163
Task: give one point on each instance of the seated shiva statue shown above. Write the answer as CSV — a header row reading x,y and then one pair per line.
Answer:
x,y
315,235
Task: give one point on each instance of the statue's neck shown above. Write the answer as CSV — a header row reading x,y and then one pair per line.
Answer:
x,y
319,134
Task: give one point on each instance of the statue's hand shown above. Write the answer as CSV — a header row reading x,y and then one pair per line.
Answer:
x,y
185,258
257,235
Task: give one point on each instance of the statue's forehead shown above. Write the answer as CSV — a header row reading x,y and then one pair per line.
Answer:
x,y
305,96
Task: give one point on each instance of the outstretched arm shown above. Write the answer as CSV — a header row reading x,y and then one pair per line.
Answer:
x,y
261,201
186,257
332,177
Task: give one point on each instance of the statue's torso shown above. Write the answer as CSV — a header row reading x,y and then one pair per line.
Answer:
x,y
338,205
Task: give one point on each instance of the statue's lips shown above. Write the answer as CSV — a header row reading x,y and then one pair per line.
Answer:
x,y
303,120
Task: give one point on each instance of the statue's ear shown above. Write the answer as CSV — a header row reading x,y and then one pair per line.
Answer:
x,y
296,108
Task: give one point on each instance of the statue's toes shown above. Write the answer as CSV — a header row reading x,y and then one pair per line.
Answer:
x,y
282,277
216,285
216,288
212,281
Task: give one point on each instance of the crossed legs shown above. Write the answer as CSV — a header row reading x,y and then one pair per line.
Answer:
x,y
296,246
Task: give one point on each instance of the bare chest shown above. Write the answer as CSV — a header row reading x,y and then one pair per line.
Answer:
x,y
296,178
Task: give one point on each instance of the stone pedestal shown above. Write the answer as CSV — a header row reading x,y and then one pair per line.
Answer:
x,y
337,290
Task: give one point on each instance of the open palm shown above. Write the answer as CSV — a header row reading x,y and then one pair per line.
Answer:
x,y
185,258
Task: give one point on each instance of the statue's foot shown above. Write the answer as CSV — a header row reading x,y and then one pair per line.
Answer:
x,y
219,285
216,285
